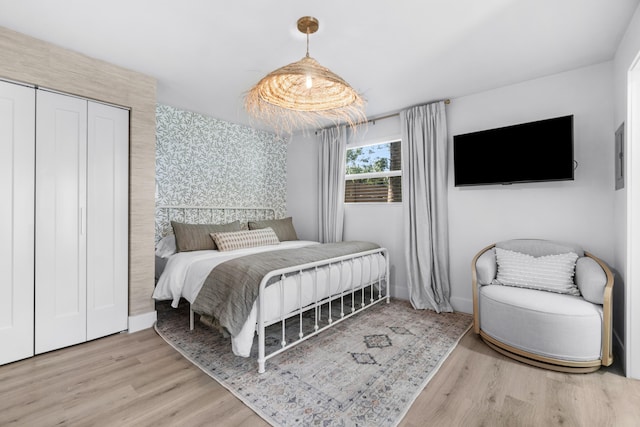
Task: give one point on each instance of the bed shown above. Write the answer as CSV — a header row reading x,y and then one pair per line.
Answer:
x,y
281,282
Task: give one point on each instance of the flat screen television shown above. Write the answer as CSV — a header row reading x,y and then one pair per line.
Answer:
x,y
527,152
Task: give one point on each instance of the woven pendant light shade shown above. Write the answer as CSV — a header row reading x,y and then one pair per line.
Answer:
x,y
304,93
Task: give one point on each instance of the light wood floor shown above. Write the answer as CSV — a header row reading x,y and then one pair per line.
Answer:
x,y
138,379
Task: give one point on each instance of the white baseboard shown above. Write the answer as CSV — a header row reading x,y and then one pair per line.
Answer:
x,y
463,305
400,292
142,321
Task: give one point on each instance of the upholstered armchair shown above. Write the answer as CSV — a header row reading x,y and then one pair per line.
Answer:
x,y
544,303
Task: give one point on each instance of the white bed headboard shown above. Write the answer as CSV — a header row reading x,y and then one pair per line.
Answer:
x,y
206,215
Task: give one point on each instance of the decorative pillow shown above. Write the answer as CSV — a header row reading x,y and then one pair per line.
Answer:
x,y
197,237
591,280
283,227
486,268
229,241
540,247
166,246
552,273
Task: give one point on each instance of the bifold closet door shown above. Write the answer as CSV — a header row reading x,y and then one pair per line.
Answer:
x,y
107,238
61,209
17,150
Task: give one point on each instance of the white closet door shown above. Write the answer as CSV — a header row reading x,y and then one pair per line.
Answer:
x,y
17,150
60,301
107,236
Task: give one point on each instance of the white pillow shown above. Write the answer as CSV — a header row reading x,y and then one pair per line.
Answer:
x,y
552,273
166,246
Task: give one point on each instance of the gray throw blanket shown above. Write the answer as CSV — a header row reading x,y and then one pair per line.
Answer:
x,y
232,287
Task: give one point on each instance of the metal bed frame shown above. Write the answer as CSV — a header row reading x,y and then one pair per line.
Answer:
x,y
382,294
370,291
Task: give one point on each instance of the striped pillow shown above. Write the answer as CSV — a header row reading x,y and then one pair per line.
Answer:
x,y
229,241
552,273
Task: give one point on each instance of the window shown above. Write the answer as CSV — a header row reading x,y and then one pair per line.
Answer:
x,y
373,173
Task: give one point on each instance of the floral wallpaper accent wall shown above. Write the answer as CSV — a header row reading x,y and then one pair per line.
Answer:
x,y
202,161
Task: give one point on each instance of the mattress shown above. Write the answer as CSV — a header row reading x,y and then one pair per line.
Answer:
x,y
185,273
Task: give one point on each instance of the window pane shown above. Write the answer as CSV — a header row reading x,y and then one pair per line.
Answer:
x,y
374,158
373,190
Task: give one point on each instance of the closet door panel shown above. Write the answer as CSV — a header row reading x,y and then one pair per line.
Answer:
x,y
60,273
17,151
107,238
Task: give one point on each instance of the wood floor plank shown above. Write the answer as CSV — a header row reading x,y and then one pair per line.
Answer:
x,y
139,380
479,387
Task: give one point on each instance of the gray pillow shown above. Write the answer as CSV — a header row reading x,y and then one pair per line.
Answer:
x,y
537,247
591,280
283,227
197,237
486,267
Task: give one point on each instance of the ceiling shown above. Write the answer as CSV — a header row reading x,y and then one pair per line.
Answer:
x,y
206,54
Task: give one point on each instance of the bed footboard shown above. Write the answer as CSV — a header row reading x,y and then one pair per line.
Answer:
x,y
358,294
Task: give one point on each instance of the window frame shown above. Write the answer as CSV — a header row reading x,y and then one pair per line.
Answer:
x,y
369,175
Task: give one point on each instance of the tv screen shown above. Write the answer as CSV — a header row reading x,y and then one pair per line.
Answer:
x,y
528,152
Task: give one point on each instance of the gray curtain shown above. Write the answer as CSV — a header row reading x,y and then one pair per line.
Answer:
x,y
424,196
333,145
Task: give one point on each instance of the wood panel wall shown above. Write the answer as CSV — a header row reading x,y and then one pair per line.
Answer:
x,y
29,60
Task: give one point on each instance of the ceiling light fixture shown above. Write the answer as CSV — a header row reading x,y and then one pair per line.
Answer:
x,y
304,93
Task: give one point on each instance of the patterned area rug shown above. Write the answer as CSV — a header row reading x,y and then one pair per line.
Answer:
x,y
365,371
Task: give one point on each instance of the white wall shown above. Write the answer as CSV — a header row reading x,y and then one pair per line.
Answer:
x,y
627,51
376,222
379,222
579,211
382,224
302,185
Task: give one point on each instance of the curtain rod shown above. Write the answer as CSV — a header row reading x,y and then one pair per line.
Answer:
x,y
446,101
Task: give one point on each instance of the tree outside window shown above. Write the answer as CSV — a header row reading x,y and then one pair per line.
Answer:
x,y
373,173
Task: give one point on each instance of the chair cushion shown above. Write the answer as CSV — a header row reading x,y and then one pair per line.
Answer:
x,y
553,325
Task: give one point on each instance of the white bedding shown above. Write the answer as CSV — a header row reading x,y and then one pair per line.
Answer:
x,y
185,273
